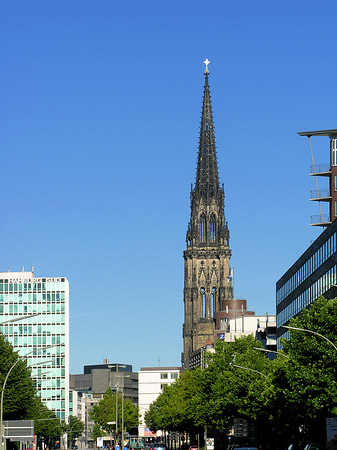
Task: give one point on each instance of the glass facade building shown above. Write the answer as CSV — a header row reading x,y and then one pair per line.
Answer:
x,y
44,336
312,275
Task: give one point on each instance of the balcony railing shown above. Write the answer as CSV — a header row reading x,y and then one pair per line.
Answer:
x,y
320,168
323,220
320,194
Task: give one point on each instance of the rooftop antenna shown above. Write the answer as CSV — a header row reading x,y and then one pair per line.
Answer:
x,y
22,269
158,361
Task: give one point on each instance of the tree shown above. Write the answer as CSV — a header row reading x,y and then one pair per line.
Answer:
x,y
74,429
306,385
105,412
211,398
20,397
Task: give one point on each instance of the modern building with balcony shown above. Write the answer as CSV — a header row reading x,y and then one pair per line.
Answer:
x,y
314,274
327,196
40,308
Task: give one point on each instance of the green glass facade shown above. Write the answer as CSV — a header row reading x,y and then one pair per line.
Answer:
x,y
44,338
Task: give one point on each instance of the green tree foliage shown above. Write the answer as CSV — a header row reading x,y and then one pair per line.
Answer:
x,y
294,392
212,397
306,385
105,411
46,423
20,395
74,429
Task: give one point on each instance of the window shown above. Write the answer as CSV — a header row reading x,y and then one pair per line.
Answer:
x,y
202,228
213,227
174,375
213,295
203,302
163,376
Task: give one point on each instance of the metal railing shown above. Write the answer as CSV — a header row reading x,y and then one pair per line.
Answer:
x,y
321,193
320,219
320,168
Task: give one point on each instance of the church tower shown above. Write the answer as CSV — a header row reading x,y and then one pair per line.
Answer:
x,y
207,282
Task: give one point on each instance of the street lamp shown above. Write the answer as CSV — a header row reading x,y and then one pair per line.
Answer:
x,y
20,318
271,351
124,376
20,358
248,368
312,332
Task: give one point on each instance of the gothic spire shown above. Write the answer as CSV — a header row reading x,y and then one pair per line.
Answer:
x,y
207,176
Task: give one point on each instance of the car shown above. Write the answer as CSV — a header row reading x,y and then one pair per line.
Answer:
x,y
159,446
194,447
245,448
313,447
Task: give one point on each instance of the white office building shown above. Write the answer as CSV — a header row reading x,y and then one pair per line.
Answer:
x,y
40,307
151,381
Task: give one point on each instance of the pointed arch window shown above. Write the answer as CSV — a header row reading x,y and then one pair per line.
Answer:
x,y
203,228
203,302
213,298
213,227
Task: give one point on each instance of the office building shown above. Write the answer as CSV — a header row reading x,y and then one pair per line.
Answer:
x,y
312,275
315,271
151,381
92,384
40,308
97,378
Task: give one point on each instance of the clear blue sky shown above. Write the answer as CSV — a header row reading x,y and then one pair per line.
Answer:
x,y
100,109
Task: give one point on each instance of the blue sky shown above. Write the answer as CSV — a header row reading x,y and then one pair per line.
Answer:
x,y
100,110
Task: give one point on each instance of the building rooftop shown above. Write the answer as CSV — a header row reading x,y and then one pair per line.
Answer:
x,y
330,133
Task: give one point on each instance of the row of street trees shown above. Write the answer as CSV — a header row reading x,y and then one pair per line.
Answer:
x,y
287,399
113,407
21,402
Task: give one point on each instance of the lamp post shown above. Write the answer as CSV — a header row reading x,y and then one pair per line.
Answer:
x,y
312,332
271,351
124,376
20,318
20,358
71,430
248,368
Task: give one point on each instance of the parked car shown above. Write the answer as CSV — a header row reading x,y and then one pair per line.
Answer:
x,y
159,446
245,448
313,447
194,447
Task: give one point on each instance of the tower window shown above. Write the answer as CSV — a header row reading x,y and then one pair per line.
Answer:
x,y
213,227
213,296
203,228
203,302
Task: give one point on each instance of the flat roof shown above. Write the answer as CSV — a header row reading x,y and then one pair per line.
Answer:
x,y
332,132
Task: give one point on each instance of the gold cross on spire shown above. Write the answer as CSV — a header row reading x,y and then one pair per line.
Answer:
x,y
206,62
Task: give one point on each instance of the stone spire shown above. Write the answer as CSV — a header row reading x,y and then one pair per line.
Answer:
x,y
207,285
207,176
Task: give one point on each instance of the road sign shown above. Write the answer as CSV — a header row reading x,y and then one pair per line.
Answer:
x,y
210,443
19,430
240,427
